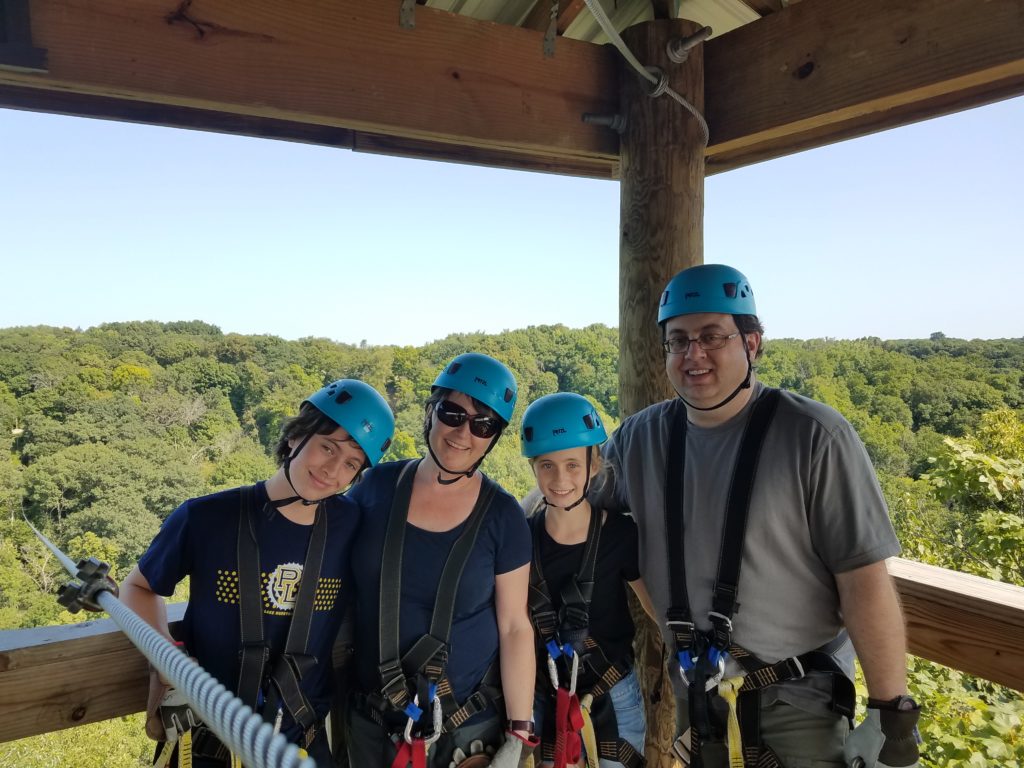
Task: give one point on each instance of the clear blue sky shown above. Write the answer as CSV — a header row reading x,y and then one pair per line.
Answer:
x,y
896,235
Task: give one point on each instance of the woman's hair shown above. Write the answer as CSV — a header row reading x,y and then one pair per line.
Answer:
x,y
442,393
309,420
534,500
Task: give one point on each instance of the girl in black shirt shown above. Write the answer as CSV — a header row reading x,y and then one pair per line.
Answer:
x,y
582,560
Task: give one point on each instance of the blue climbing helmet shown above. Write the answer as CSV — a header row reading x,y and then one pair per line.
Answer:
x,y
360,410
707,288
482,378
559,421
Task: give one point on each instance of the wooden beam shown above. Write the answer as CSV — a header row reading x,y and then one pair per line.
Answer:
x,y
962,621
310,69
69,675
457,88
60,677
832,69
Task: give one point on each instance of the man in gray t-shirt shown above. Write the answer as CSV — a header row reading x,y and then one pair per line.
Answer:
x,y
812,557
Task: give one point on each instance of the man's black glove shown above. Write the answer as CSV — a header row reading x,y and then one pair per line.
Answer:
x,y
887,737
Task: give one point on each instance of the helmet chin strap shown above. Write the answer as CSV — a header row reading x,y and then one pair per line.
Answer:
x,y
586,488
277,504
459,474
745,384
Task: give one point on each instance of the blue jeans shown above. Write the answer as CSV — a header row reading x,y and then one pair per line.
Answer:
x,y
628,703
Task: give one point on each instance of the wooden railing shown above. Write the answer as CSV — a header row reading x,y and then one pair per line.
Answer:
x,y
61,677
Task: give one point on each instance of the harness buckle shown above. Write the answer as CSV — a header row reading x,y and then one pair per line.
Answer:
x,y
717,617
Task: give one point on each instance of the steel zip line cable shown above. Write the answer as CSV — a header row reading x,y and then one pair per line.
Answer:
x,y
244,732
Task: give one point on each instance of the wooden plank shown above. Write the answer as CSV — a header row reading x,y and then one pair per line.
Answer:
x,y
453,80
108,108
832,69
53,678
472,91
963,621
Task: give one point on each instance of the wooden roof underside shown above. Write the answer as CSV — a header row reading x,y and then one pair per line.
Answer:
x,y
469,89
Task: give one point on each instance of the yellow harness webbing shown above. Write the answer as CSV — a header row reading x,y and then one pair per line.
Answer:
x,y
589,736
184,745
728,689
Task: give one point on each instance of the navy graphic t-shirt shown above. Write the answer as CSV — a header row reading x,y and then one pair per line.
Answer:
x,y
199,540
502,546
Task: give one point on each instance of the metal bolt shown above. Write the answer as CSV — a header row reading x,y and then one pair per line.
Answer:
x,y
616,122
679,48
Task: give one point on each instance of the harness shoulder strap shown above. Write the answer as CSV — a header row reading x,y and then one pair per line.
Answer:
x,y
730,558
680,620
294,662
254,651
577,593
428,655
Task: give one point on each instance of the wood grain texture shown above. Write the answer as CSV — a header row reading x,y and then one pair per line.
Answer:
x,y
59,677
661,232
53,678
453,79
832,69
457,88
963,621
661,205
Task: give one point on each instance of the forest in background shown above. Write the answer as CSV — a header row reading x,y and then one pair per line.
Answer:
x,y
104,431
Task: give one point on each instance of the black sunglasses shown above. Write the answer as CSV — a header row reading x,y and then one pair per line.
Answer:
x,y
454,415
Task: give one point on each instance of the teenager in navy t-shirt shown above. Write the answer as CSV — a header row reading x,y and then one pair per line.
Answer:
x,y
441,498
339,431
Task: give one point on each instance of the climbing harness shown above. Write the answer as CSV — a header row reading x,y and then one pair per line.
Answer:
x,y
565,636
236,724
415,685
702,655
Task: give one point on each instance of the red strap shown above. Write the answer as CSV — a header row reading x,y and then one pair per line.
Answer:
x,y
568,724
415,753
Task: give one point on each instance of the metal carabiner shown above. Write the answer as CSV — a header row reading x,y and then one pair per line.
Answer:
x,y
438,723
715,679
575,670
553,672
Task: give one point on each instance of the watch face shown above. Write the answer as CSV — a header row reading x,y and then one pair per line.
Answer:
x,y
904,703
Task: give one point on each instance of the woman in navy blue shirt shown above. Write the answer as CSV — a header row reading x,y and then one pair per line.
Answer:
x,y
444,646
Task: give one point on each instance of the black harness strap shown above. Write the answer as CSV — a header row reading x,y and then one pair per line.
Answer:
x,y
425,662
730,557
691,644
576,595
572,625
295,661
254,653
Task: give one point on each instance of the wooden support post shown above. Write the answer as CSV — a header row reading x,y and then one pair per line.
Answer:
x,y
662,203
662,232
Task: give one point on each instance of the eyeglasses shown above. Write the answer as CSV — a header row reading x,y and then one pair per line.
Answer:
x,y
454,415
706,341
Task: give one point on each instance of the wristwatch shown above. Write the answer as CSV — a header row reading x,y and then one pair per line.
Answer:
x,y
521,725
901,703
